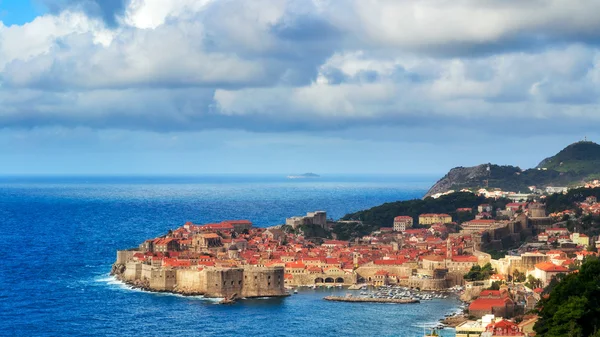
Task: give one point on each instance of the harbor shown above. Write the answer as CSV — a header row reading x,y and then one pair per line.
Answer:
x,y
370,300
391,294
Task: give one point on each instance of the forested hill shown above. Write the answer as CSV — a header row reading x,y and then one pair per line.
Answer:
x,y
573,165
383,215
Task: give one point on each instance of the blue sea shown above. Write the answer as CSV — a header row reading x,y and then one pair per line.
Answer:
x,y
59,236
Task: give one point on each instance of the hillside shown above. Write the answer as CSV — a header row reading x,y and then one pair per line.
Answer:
x,y
383,215
577,162
581,157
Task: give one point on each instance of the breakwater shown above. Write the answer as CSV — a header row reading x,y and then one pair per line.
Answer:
x,y
370,300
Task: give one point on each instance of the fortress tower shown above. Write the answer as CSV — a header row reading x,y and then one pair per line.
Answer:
x,y
537,210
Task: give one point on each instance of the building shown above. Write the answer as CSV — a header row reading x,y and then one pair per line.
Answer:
x,y
504,328
318,218
401,223
274,234
239,225
166,245
431,218
545,271
479,225
202,242
474,328
580,239
555,189
492,302
484,208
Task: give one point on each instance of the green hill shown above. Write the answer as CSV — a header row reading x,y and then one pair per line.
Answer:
x,y
580,158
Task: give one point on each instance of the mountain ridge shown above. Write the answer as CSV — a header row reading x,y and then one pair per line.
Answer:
x,y
576,162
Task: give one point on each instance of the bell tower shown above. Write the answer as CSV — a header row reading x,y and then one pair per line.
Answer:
x,y
448,248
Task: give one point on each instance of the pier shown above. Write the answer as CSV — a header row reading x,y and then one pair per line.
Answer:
x,y
370,300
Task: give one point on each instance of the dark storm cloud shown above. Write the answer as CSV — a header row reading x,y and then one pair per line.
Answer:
x,y
107,10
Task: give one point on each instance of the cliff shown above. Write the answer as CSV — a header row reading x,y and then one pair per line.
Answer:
x,y
576,163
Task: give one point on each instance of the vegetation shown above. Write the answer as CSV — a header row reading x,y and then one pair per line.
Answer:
x,y
383,216
533,282
558,202
478,273
573,305
580,157
518,276
495,285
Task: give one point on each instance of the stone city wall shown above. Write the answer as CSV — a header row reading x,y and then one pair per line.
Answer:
x,y
212,282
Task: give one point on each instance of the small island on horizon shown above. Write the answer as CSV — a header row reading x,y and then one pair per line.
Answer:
x,y
308,175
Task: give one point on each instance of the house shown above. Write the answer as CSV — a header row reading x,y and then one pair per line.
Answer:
x,y
484,208
494,302
591,200
401,223
274,234
432,218
545,271
504,328
380,278
239,225
165,245
580,239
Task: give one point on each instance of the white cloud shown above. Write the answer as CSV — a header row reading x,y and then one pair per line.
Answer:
x,y
263,64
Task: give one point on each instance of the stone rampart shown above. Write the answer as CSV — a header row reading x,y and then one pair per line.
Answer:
x,y
212,282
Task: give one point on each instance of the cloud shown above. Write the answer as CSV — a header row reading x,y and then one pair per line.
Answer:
x,y
297,65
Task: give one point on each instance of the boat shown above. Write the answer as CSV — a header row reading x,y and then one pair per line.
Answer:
x,y
295,291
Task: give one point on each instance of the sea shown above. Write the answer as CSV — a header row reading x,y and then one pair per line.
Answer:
x,y
59,237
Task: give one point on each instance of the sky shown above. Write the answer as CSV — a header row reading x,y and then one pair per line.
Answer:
x,y
293,86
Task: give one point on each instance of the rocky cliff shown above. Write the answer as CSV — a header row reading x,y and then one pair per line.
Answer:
x,y
475,176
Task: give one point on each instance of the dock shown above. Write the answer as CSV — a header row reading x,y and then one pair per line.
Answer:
x,y
370,300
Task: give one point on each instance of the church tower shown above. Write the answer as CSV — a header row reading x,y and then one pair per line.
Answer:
x,y
448,249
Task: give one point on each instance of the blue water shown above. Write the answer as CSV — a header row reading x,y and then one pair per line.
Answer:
x,y
59,236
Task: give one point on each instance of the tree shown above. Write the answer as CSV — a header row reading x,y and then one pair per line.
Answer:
x,y
533,282
495,285
518,276
573,305
478,273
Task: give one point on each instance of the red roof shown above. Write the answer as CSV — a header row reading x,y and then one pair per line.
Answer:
x,y
551,267
490,293
388,262
488,303
464,258
403,217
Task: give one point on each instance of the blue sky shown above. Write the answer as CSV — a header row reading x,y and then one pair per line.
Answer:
x,y
289,86
18,12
